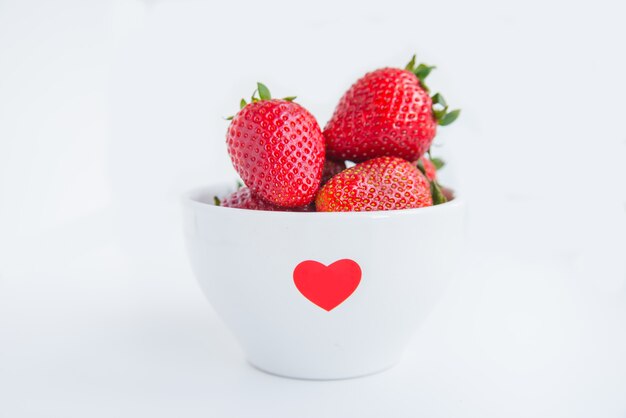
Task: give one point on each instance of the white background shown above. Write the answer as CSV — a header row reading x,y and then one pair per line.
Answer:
x,y
110,110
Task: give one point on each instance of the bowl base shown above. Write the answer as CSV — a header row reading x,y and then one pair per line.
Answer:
x,y
323,377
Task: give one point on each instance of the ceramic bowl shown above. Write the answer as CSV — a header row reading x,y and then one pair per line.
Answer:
x,y
322,295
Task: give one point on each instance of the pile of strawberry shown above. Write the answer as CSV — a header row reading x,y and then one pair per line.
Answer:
x,y
385,123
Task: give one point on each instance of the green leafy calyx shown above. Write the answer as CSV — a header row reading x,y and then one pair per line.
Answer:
x,y
438,163
264,92
421,71
441,113
260,93
437,193
440,107
420,166
449,117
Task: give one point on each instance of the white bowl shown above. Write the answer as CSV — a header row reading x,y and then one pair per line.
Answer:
x,y
351,319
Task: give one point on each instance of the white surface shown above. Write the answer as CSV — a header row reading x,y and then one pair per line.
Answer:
x,y
110,108
512,337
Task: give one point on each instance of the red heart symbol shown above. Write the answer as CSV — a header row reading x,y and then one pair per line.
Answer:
x,y
326,286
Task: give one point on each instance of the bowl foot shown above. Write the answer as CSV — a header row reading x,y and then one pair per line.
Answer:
x,y
323,376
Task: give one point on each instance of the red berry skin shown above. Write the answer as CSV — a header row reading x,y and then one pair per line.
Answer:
x,y
277,147
448,193
385,113
245,199
332,168
384,183
429,168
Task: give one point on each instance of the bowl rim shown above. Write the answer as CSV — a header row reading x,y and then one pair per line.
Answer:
x,y
193,196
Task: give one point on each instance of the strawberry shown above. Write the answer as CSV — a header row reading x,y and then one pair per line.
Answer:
x,y
383,183
332,168
388,112
427,167
245,199
447,193
277,147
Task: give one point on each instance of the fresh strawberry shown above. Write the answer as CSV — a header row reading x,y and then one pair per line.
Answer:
x,y
277,148
384,183
332,168
447,193
388,112
245,199
427,167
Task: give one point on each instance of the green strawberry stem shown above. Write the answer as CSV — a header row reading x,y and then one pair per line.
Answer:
x,y
421,71
437,162
449,117
263,94
435,188
440,110
440,107
420,166
217,201
437,193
